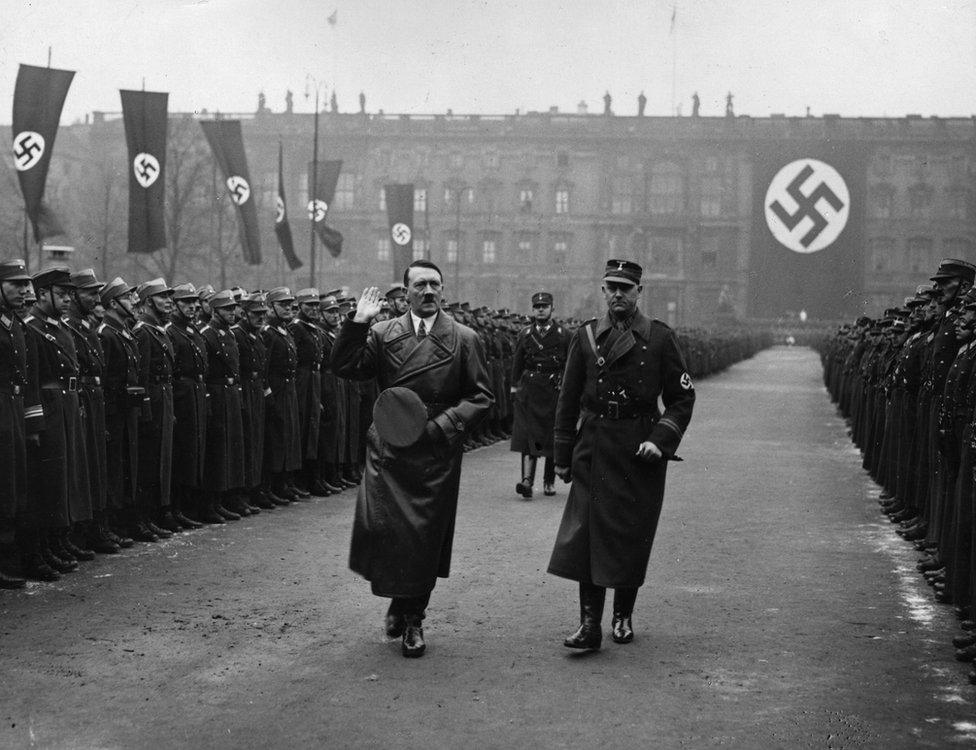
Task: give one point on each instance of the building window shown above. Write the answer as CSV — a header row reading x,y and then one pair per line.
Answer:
x,y
562,159
709,251
419,248
420,200
526,196
666,189
382,199
919,201
711,196
491,159
882,251
560,252
562,200
452,250
488,250
526,246
882,202
345,195
919,254
383,248
621,195
457,160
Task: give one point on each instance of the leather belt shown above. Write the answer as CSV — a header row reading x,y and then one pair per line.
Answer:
x,y
11,390
90,380
160,378
222,381
70,384
615,410
192,378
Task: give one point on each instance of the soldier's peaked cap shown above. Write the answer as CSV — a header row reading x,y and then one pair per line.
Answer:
x,y
332,293
280,294
308,296
624,271
951,268
149,289
541,298
53,276
86,279
185,291
255,303
14,270
206,292
114,289
224,298
396,289
329,302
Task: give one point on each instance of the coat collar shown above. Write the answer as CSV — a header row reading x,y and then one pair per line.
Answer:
x,y
621,342
413,356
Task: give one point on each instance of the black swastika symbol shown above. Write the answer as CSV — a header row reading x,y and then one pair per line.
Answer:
x,y
146,169
25,148
806,205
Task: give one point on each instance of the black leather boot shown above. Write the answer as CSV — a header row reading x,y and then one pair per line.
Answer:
x,y
590,634
623,609
413,636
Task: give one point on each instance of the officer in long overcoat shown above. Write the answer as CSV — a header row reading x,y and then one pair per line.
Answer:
x,y
330,426
282,444
405,510
613,443
225,428
21,415
537,369
189,406
309,344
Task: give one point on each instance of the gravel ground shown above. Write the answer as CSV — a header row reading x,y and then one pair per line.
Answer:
x,y
781,610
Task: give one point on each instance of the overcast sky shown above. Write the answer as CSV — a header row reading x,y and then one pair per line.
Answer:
x,y
851,57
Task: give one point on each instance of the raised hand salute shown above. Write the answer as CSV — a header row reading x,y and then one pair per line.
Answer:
x,y
368,306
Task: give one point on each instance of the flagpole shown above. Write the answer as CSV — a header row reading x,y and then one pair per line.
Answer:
x,y
674,60
314,192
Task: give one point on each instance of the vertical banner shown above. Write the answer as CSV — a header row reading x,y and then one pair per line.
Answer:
x,y
145,118
320,199
227,144
281,226
38,99
399,213
808,229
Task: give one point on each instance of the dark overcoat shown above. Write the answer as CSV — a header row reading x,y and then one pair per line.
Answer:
x,y
121,412
59,465
404,525
91,365
308,383
282,446
189,403
225,427
20,412
155,433
608,405
330,445
255,390
537,369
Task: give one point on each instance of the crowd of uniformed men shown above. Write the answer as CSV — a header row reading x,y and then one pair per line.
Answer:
x,y
132,413
906,383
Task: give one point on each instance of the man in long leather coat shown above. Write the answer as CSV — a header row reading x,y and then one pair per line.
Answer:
x,y
612,441
407,502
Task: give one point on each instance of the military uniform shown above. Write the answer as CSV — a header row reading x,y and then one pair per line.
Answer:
x,y
309,345
282,451
255,391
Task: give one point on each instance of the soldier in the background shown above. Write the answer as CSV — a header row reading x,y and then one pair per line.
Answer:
x,y
351,439
396,295
204,293
282,443
189,408
224,478
91,363
537,370
155,433
255,392
123,405
333,417
308,384
59,465
21,418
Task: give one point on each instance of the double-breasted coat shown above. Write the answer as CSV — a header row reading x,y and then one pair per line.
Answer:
x,y
189,403
407,502
20,412
91,367
255,390
333,407
537,370
156,361
608,405
225,427
308,383
282,446
122,410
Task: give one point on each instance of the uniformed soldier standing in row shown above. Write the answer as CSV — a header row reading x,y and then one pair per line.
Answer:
x,y
308,337
537,369
282,444
21,418
613,444
124,399
80,320
189,408
333,402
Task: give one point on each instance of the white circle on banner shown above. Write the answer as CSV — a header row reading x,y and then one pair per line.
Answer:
x,y
240,191
317,210
400,233
28,149
279,210
807,205
146,169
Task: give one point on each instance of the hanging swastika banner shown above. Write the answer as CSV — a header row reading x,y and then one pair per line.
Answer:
x,y
144,114
807,249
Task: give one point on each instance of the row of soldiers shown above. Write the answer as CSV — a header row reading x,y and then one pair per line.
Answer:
x,y
906,383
